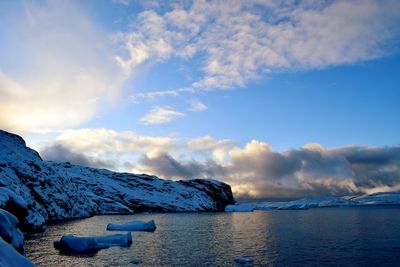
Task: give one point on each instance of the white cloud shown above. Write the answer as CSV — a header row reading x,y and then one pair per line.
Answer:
x,y
98,147
60,70
57,68
254,170
197,106
122,2
246,40
218,150
209,143
159,115
98,141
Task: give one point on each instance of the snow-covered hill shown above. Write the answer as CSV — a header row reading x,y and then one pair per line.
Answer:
x,y
377,199
36,191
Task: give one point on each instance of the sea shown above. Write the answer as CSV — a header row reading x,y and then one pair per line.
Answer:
x,y
349,236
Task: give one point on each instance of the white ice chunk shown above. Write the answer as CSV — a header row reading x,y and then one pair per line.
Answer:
x,y
9,257
244,261
89,244
247,207
136,261
149,226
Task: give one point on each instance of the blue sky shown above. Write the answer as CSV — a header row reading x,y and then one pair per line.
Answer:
x,y
204,89
335,106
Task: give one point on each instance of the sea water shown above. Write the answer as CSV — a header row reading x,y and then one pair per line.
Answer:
x,y
353,236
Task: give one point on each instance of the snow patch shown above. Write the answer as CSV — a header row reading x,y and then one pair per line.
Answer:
x,y
9,257
378,199
9,231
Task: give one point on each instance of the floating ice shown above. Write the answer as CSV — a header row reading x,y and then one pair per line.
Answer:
x,y
149,226
248,207
136,261
244,261
90,244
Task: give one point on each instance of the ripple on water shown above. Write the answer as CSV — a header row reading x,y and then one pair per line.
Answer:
x,y
330,236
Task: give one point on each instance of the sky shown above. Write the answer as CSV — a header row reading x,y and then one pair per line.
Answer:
x,y
280,99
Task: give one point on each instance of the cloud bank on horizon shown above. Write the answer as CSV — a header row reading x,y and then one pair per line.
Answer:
x,y
255,171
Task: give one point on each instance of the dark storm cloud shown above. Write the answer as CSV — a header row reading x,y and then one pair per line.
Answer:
x,y
59,153
319,163
265,163
166,166
259,172
373,166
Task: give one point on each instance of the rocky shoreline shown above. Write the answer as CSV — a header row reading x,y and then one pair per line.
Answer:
x,y
34,191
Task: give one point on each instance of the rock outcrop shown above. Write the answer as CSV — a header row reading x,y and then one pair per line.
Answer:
x,y
36,191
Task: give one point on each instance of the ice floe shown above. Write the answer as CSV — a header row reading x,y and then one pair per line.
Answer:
x,y
246,207
149,226
91,244
244,261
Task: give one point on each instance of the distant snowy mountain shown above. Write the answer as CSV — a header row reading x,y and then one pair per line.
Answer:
x,y
36,191
377,199
388,198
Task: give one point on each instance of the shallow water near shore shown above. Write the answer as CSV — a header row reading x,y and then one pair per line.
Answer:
x,y
356,236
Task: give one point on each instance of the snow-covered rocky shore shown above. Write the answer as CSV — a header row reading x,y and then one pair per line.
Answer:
x,y
376,199
33,191
36,191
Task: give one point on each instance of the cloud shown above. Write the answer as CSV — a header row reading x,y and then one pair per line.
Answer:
x,y
240,41
100,142
159,115
257,172
60,153
55,62
374,166
56,67
122,2
254,170
105,148
164,164
218,149
208,143
197,106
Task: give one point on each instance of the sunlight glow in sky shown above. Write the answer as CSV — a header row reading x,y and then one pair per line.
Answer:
x,y
280,99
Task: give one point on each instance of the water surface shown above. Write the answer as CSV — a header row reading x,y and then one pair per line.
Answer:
x,y
317,237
